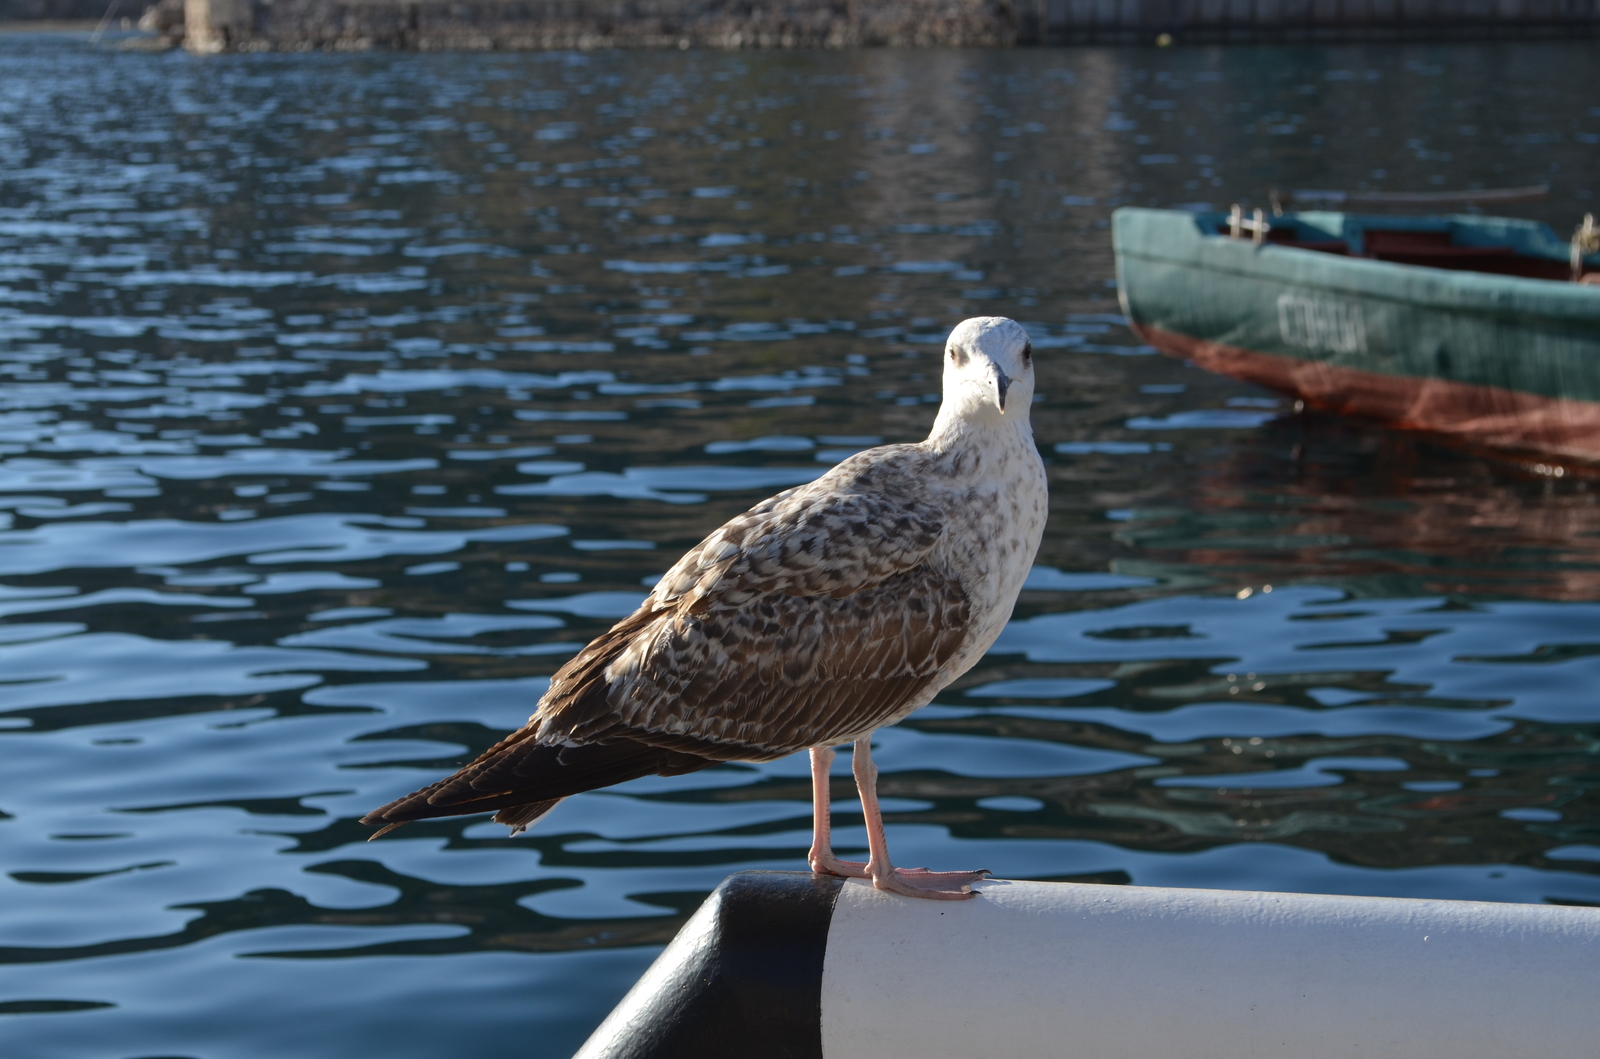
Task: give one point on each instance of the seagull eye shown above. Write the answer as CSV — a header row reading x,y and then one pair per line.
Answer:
x,y
958,357
1027,353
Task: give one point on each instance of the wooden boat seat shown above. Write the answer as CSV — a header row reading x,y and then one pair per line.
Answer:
x,y
1384,239
1435,250
1430,249
1470,257
1322,246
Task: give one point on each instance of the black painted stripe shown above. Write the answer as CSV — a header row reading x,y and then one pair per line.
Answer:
x,y
752,987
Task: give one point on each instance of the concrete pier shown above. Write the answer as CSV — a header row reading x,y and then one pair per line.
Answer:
x,y
429,25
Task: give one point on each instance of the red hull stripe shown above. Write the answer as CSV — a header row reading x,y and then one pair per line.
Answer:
x,y
1487,415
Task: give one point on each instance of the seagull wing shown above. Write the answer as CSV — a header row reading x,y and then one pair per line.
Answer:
x,y
811,619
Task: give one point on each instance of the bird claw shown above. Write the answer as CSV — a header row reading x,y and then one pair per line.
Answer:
x,y
831,865
909,882
930,885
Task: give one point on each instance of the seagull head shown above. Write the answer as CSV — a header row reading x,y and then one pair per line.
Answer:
x,y
988,371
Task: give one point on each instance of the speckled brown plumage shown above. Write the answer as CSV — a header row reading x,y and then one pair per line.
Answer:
x,y
814,618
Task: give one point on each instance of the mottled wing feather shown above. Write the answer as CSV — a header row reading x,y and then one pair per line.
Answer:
x,y
812,618
840,668
861,523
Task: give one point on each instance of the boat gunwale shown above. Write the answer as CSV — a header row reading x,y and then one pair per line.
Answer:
x,y
1454,290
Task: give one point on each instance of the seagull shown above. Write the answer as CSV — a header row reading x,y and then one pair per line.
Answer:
x,y
810,621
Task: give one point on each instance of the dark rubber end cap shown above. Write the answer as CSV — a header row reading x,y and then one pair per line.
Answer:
x,y
743,978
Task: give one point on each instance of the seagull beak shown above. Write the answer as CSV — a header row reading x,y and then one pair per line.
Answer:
x,y
1002,382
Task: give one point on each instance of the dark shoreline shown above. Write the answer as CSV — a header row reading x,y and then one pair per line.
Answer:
x,y
209,26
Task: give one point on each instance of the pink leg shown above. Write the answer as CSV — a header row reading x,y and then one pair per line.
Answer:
x,y
822,860
912,882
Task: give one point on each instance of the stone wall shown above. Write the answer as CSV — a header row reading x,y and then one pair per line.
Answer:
x,y
67,10
428,25
215,25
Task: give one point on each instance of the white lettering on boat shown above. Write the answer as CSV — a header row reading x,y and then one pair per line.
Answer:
x,y
1321,323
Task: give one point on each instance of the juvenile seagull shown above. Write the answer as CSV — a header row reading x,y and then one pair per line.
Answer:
x,y
811,620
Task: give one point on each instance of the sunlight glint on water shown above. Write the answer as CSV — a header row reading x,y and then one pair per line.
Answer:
x,y
345,396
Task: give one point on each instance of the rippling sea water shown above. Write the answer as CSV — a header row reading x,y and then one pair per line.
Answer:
x,y
345,396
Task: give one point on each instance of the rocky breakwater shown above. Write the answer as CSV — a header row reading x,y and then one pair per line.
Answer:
x,y
436,25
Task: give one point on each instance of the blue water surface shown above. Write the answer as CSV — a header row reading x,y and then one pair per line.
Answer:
x,y
344,397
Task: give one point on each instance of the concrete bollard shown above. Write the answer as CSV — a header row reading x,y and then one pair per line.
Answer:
x,y
799,966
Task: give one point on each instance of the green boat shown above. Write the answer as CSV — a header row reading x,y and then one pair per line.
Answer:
x,y
1485,329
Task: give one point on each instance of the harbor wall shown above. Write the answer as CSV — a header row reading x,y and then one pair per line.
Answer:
x,y
47,11
430,25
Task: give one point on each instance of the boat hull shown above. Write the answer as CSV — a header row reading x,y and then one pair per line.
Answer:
x,y
1499,361
1487,415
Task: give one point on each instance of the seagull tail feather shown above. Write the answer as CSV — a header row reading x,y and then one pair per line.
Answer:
x,y
521,780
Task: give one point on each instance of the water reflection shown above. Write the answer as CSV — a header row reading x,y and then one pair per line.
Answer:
x,y
345,396
1383,513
